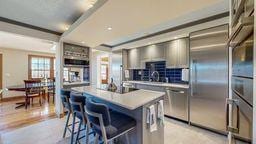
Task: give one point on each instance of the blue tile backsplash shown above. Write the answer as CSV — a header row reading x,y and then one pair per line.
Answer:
x,y
173,75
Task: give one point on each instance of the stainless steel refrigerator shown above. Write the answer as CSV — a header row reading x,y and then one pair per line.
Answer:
x,y
209,78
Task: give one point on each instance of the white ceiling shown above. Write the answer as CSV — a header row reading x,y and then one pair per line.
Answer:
x,y
55,15
14,41
130,19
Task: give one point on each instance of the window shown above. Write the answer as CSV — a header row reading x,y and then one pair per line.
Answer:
x,y
40,67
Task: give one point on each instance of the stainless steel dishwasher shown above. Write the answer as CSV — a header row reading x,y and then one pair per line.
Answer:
x,y
176,103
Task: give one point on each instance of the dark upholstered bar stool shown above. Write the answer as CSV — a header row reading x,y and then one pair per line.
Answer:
x,y
65,95
108,125
77,103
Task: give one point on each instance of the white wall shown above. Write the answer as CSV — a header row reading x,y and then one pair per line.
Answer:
x,y
95,67
15,68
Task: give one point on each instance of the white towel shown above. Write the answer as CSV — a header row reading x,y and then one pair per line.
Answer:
x,y
185,74
151,118
160,112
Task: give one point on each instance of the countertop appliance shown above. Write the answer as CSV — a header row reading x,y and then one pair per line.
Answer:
x,y
75,55
176,103
209,78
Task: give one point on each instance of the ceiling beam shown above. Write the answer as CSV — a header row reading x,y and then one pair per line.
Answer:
x,y
29,26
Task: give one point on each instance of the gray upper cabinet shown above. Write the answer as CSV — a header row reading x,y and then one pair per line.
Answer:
x,y
171,54
183,53
154,52
133,58
177,53
145,54
158,52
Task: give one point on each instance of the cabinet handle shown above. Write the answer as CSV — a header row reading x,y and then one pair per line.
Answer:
x,y
228,127
176,91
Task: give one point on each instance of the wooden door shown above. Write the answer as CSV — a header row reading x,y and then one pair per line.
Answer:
x,y
104,73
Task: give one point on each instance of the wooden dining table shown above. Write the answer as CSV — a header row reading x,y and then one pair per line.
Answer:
x,y
22,88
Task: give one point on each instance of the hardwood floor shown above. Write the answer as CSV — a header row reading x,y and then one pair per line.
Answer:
x,y
11,118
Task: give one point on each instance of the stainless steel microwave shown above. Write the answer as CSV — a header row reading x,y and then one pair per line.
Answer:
x,y
75,62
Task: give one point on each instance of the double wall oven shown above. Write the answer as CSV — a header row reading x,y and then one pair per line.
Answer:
x,y
242,90
240,104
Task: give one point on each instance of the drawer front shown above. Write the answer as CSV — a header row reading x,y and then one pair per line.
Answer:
x,y
244,88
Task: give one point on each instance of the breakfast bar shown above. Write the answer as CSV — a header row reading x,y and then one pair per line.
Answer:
x,y
135,104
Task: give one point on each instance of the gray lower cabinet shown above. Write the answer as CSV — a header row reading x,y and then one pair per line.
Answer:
x,y
176,103
177,53
133,58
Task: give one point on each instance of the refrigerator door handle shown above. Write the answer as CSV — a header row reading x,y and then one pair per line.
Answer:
x,y
233,102
193,76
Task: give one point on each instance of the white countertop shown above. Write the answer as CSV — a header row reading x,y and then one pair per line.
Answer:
x,y
130,100
186,86
75,83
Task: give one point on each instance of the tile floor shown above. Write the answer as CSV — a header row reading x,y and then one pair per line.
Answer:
x,y
50,132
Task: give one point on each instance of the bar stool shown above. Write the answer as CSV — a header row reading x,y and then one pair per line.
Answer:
x,y
65,95
77,103
108,125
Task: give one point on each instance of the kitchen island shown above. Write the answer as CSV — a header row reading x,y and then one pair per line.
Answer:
x,y
134,104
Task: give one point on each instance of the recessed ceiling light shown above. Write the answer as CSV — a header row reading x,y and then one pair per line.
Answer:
x,y
109,28
82,42
66,28
90,5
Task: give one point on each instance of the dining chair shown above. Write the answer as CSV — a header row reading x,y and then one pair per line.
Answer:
x,y
32,90
51,89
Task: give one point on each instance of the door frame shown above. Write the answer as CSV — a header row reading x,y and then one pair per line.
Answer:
x,y
1,75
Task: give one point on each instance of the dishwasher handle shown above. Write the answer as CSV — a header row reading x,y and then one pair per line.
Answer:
x,y
175,91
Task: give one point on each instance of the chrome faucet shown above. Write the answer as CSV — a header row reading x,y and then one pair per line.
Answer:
x,y
155,77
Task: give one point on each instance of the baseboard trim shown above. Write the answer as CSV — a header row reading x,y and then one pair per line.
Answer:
x,y
7,99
